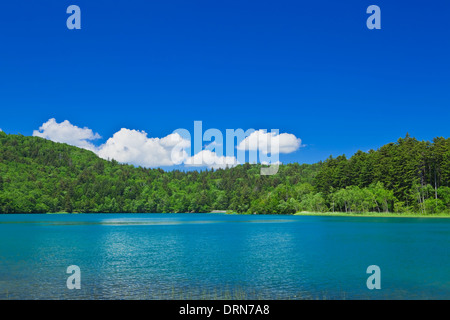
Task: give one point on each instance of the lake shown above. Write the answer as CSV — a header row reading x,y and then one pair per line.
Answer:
x,y
218,256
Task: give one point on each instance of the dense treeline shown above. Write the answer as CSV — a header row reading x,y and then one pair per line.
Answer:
x,y
38,175
409,175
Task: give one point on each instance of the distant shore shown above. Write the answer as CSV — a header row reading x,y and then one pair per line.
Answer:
x,y
303,213
373,214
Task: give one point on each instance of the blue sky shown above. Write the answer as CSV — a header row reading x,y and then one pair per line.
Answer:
x,y
308,68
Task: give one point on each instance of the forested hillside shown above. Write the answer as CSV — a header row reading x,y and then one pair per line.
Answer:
x,y
38,175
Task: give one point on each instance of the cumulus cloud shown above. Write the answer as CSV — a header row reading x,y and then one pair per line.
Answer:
x,y
65,132
270,142
125,146
208,158
134,147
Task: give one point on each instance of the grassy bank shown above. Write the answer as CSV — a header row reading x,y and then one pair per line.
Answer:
x,y
373,214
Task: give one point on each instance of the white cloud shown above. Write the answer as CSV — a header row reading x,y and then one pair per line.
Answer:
x,y
270,142
208,158
134,147
65,132
125,146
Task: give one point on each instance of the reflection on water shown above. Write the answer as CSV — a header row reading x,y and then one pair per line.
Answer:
x,y
215,256
131,222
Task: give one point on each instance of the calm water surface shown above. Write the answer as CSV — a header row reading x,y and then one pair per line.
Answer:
x,y
195,256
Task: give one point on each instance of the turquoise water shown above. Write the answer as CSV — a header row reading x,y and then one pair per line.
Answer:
x,y
196,256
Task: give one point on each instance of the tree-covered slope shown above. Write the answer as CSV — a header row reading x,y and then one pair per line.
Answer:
x,y
415,176
38,175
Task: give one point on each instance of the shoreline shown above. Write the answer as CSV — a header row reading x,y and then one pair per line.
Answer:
x,y
303,213
372,214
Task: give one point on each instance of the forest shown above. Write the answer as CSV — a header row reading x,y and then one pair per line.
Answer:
x,y
406,176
